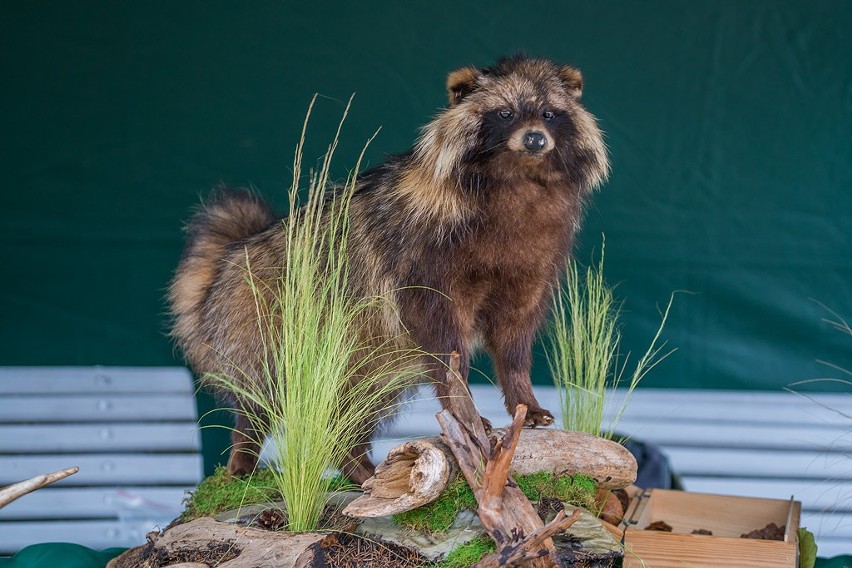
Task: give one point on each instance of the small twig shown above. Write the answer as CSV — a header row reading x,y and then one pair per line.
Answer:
x,y
18,490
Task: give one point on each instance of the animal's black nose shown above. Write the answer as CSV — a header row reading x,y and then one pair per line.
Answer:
x,y
534,141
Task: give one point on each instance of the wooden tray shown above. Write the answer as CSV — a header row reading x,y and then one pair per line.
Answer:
x,y
727,517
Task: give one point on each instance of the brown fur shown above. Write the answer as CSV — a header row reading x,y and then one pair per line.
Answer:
x,y
467,232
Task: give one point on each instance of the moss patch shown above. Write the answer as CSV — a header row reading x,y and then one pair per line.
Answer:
x,y
438,515
469,553
578,490
222,491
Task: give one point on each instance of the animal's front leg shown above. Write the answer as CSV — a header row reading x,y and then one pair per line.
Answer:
x,y
509,340
440,328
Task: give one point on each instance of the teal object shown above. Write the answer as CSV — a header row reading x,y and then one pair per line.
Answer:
x,y
60,555
844,561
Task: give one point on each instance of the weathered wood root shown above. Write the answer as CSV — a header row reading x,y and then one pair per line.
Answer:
x,y
413,474
224,545
504,511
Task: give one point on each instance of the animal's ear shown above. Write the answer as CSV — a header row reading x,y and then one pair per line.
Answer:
x,y
462,82
572,79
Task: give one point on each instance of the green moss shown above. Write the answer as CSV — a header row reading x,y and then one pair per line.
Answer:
x,y
222,491
469,553
574,489
438,515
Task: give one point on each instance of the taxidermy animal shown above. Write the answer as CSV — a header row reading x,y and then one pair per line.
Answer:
x,y
467,233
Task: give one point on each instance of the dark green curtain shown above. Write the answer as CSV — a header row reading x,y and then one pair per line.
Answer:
x,y
728,122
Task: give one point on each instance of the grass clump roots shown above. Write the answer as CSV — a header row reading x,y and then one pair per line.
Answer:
x,y
322,383
583,350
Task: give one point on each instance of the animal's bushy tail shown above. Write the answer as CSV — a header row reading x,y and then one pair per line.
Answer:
x,y
226,217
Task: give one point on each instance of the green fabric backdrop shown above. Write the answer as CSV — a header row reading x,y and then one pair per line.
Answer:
x,y
728,123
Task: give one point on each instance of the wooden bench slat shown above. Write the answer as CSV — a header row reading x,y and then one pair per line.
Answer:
x,y
97,408
757,436
781,408
758,463
76,438
828,525
94,503
815,494
107,469
831,547
79,380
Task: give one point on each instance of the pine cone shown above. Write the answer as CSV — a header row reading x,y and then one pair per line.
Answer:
x,y
270,519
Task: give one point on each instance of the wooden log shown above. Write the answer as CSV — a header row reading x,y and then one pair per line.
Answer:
x,y
239,546
18,490
413,474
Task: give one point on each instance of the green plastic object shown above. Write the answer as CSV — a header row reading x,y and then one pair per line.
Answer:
x,y
55,554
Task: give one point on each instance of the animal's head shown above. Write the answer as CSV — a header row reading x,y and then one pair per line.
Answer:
x,y
520,117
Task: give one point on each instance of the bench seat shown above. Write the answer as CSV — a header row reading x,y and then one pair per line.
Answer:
x,y
133,433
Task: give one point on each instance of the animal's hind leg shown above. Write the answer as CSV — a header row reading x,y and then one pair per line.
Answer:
x,y
246,440
357,465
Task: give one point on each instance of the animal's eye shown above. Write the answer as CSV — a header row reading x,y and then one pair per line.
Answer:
x,y
548,115
506,113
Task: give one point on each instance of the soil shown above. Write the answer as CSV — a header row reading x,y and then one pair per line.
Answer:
x,y
215,554
659,526
351,551
769,532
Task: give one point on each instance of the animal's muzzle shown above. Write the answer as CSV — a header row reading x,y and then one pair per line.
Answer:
x,y
535,141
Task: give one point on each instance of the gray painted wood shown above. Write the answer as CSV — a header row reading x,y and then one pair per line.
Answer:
x,y
95,503
107,407
99,438
132,432
107,469
825,495
80,380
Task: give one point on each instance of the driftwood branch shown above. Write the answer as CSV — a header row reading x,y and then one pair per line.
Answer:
x,y
505,512
18,490
530,547
415,473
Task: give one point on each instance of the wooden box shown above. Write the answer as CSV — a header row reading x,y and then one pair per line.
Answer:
x,y
726,517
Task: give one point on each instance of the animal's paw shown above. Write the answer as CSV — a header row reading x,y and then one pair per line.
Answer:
x,y
241,465
537,416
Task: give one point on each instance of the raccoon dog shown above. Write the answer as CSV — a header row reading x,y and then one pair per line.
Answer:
x,y
468,232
